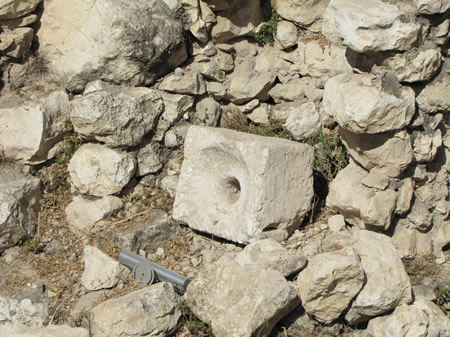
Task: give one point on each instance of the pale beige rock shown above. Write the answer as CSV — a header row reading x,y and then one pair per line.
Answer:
x,y
21,21
388,153
433,98
83,213
336,241
287,34
261,297
99,171
363,103
405,195
336,223
387,283
177,134
151,311
426,146
376,180
100,270
20,330
190,83
31,129
260,115
207,112
329,283
404,240
303,121
420,216
10,9
291,91
431,6
306,13
16,43
150,159
216,89
229,172
170,184
369,25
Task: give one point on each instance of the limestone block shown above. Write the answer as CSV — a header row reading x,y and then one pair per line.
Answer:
x,y
16,43
260,115
431,6
10,9
329,283
303,121
434,98
404,240
151,311
117,116
207,112
19,206
122,42
389,153
306,13
405,195
363,103
239,193
21,330
387,284
369,25
240,300
190,83
426,146
287,34
292,91
216,89
99,171
100,270
31,129
169,184
150,159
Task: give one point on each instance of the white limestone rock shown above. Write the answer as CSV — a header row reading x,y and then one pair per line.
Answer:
x,y
16,42
433,98
329,283
431,6
207,112
31,129
169,184
100,270
19,206
426,146
363,103
261,114
336,223
150,159
305,13
369,25
151,311
190,83
122,42
303,121
82,213
99,171
237,194
21,330
387,284
10,9
287,34
117,116
240,300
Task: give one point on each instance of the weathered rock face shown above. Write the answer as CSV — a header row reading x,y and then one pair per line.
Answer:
x,y
387,283
431,6
10,9
151,311
117,116
207,112
303,121
433,97
366,104
150,159
287,34
100,270
238,195
31,129
329,283
123,42
191,83
261,297
16,42
19,206
20,330
368,26
305,13
99,171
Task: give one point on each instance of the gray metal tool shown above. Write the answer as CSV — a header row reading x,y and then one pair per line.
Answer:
x,y
148,272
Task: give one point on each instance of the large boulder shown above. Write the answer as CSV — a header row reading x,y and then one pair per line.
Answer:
x,y
29,130
305,13
115,115
19,206
369,25
238,194
10,9
121,41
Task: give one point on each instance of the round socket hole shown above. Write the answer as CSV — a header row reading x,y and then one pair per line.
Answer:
x,y
232,190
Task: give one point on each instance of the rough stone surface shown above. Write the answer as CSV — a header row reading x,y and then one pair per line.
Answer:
x,y
304,121
16,43
431,6
369,25
150,159
425,146
336,223
329,283
305,13
19,206
207,112
122,42
237,194
83,213
433,97
367,104
261,297
287,34
100,270
21,330
190,83
99,171
291,91
387,283
10,9
151,311
28,131
117,116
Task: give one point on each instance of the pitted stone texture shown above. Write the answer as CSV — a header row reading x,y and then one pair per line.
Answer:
x,y
99,171
117,116
369,25
10,9
306,13
387,283
122,42
329,283
239,300
100,270
431,6
363,103
28,131
19,206
20,330
230,184
151,311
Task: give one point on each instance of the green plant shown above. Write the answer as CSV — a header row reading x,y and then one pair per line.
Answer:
x,y
194,325
266,34
442,298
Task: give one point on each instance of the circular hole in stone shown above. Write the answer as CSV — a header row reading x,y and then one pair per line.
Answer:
x,y
232,189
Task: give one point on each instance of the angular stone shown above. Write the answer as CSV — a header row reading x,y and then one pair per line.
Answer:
x,y
329,283
426,146
405,195
336,223
388,153
237,194
16,43
20,21
261,297
191,83
169,184
10,9
431,6
433,97
369,25
306,13
287,34
303,121
150,159
19,206
133,43
99,171
260,115
207,112
404,240
387,283
100,270
117,116
362,103
31,129
20,330
151,311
